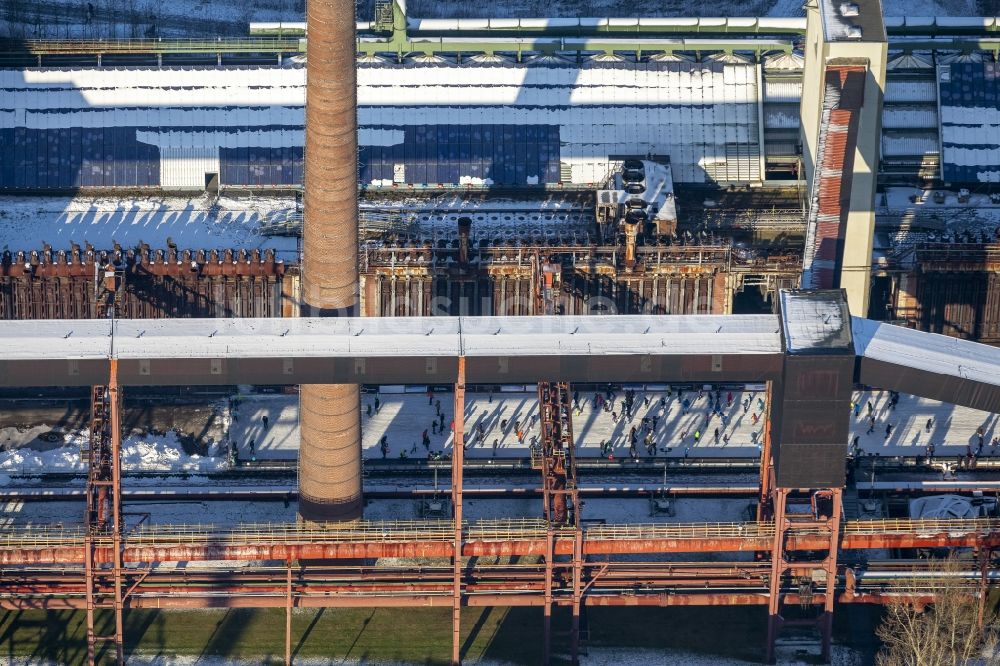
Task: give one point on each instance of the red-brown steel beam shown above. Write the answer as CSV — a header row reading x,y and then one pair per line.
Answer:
x,y
172,600
458,456
427,549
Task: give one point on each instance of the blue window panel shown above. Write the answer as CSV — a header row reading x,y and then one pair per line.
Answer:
x,y
29,161
500,171
142,175
107,147
7,165
520,174
76,149
57,159
552,173
519,153
396,153
531,161
432,172
153,171
86,175
235,174
117,150
508,169
51,158
417,172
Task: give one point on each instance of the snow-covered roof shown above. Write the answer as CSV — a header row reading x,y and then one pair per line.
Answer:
x,y
793,61
928,352
815,321
350,337
934,366
55,339
852,20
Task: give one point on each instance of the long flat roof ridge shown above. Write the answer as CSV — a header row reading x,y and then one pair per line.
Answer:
x,y
349,337
927,352
374,336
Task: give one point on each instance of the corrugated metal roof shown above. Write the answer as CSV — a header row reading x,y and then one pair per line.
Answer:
x,y
729,58
782,90
910,61
793,61
781,116
959,57
907,117
909,90
898,144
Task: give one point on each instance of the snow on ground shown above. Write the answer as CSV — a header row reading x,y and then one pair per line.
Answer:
x,y
402,418
140,453
196,223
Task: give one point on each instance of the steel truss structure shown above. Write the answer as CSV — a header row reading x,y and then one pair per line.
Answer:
x,y
561,564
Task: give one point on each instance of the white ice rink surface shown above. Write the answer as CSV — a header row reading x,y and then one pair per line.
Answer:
x,y
402,418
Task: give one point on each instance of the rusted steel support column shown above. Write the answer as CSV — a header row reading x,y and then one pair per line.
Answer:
x,y
547,608
983,557
288,613
774,618
830,566
116,510
330,450
577,595
766,460
457,458
88,563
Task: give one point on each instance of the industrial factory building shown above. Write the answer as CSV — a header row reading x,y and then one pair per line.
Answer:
x,y
554,315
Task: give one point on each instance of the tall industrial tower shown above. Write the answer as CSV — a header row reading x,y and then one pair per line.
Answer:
x,y
330,416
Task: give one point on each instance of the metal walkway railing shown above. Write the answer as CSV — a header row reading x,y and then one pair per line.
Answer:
x,y
51,536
